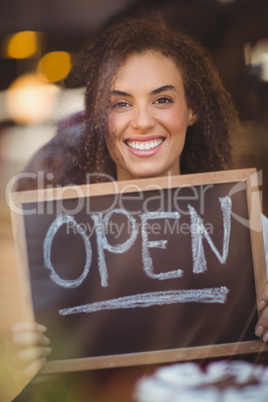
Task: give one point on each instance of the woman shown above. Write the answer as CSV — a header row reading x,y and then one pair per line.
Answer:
x,y
154,105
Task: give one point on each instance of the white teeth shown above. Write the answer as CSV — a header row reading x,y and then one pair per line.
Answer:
x,y
145,145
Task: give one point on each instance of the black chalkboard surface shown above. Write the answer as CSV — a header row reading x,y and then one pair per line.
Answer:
x,y
156,270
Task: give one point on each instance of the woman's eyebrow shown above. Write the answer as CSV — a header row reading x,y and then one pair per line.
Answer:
x,y
154,92
120,93
162,89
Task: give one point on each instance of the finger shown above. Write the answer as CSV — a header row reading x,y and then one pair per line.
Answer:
x,y
35,353
34,367
261,329
28,326
263,299
265,336
261,306
29,339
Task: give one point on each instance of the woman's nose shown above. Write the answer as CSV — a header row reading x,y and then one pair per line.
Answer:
x,y
143,119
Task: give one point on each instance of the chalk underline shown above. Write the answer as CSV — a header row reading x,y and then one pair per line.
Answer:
x,y
209,295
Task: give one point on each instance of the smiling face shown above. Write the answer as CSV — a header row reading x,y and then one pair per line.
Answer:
x,y
148,118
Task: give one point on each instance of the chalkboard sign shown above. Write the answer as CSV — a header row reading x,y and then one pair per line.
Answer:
x,y
137,272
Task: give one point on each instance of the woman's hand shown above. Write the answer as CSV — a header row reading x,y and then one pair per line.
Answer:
x,y
27,351
261,328
31,347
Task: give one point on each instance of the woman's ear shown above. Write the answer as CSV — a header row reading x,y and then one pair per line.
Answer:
x,y
192,117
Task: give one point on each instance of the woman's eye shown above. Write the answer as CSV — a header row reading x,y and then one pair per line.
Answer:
x,y
163,100
121,105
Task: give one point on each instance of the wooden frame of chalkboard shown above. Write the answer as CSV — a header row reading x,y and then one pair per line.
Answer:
x,y
208,225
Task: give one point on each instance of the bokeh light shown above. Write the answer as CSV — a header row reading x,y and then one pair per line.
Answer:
x,y
30,100
264,72
21,45
55,66
257,55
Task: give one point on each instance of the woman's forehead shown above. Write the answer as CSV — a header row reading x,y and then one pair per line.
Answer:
x,y
146,67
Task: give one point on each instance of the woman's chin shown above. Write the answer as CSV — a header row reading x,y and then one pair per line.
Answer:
x,y
142,174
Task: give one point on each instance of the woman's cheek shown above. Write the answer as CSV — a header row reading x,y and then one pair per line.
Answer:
x,y
173,120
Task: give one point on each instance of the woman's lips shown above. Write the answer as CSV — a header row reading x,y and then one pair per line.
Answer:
x,y
145,147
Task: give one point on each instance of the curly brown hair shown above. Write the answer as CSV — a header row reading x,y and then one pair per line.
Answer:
x,y
207,146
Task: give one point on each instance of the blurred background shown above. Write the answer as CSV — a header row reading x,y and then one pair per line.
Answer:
x,y
39,40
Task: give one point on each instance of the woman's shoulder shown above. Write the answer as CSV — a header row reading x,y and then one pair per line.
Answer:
x,y
53,160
